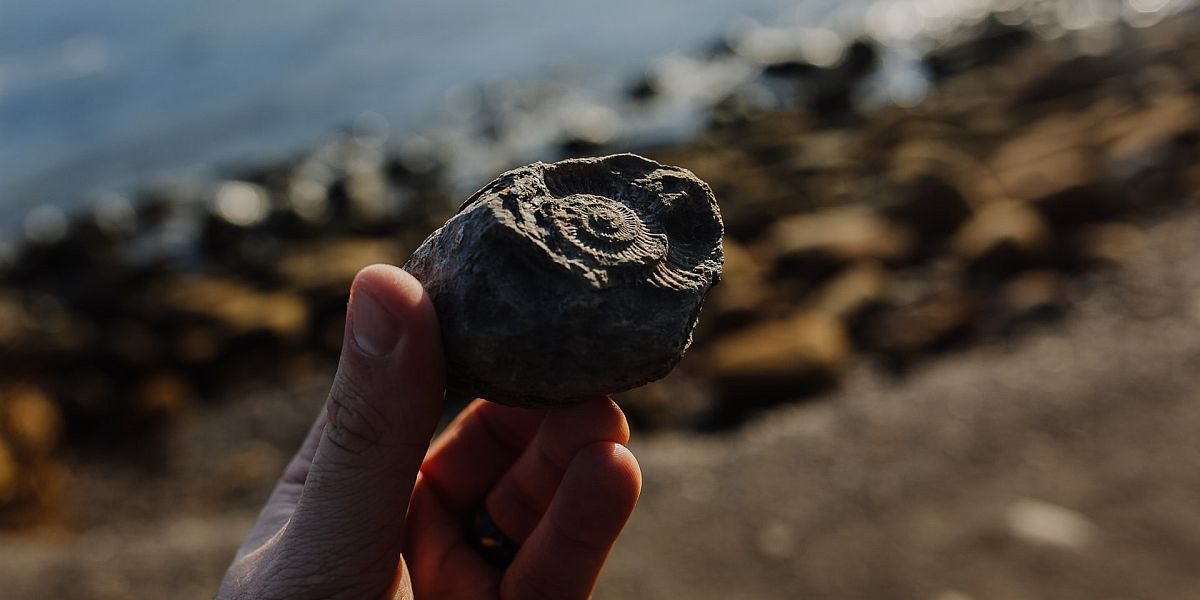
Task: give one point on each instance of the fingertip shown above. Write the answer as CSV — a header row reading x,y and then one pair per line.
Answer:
x,y
563,556
606,470
393,286
596,419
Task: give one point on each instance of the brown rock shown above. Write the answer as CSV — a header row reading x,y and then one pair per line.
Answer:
x,y
778,358
32,421
164,394
10,473
330,265
1002,236
938,185
679,400
852,291
742,292
559,282
235,305
1049,166
1146,152
16,324
1112,243
841,235
924,325
1032,292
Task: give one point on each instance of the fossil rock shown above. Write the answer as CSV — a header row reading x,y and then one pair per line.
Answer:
x,y
557,282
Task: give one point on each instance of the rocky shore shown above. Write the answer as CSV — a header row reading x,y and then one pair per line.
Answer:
x,y
858,236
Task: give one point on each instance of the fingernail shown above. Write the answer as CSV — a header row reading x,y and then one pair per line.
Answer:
x,y
375,330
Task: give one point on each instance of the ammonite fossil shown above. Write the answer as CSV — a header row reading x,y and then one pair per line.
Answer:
x,y
559,282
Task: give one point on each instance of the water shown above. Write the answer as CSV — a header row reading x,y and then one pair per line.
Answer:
x,y
96,96
109,95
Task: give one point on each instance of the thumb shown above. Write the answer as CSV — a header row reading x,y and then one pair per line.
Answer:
x,y
385,402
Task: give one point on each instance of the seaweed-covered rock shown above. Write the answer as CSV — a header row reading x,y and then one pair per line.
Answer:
x,y
557,282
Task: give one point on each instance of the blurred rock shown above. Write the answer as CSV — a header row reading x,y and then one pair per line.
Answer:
x,y
1001,237
16,324
198,344
241,472
1042,523
943,317
993,43
852,292
678,401
1048,167
813,242
32,421
1033,295
1146,152
740,295
1111,243
10,473
330,265
928,203
163,395
236,306
779,359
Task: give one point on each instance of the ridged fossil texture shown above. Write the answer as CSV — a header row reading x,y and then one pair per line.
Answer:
x,y
559,282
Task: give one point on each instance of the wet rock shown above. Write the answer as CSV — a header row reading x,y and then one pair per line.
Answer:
x,y
594,268
1001,237
779,359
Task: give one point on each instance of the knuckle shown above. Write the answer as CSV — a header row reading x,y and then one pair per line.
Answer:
x,y
354,425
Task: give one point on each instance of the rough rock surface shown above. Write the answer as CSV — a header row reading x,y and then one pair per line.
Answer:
x,y
561,281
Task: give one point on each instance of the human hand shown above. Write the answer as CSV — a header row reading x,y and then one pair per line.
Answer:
x,y
367,509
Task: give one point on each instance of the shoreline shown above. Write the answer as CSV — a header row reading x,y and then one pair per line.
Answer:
x,y
886,236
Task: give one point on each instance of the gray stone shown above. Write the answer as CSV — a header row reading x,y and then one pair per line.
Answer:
x,y
559,282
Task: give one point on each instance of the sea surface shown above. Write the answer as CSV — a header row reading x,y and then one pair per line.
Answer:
x,y
111,96
100,96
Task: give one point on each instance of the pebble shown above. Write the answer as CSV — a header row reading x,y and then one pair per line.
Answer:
x,y
1041,523
782,357
32,421
841,235
1002,235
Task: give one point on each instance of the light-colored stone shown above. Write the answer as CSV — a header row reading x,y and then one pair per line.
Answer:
x,y
332,264
1009,224
236,305
852,291
842,234
32,420
804,347
1042,523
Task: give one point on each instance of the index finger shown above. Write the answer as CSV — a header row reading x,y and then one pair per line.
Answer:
x,y
475,451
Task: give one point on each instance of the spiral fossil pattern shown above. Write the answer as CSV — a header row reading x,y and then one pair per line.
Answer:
x,y
560,281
